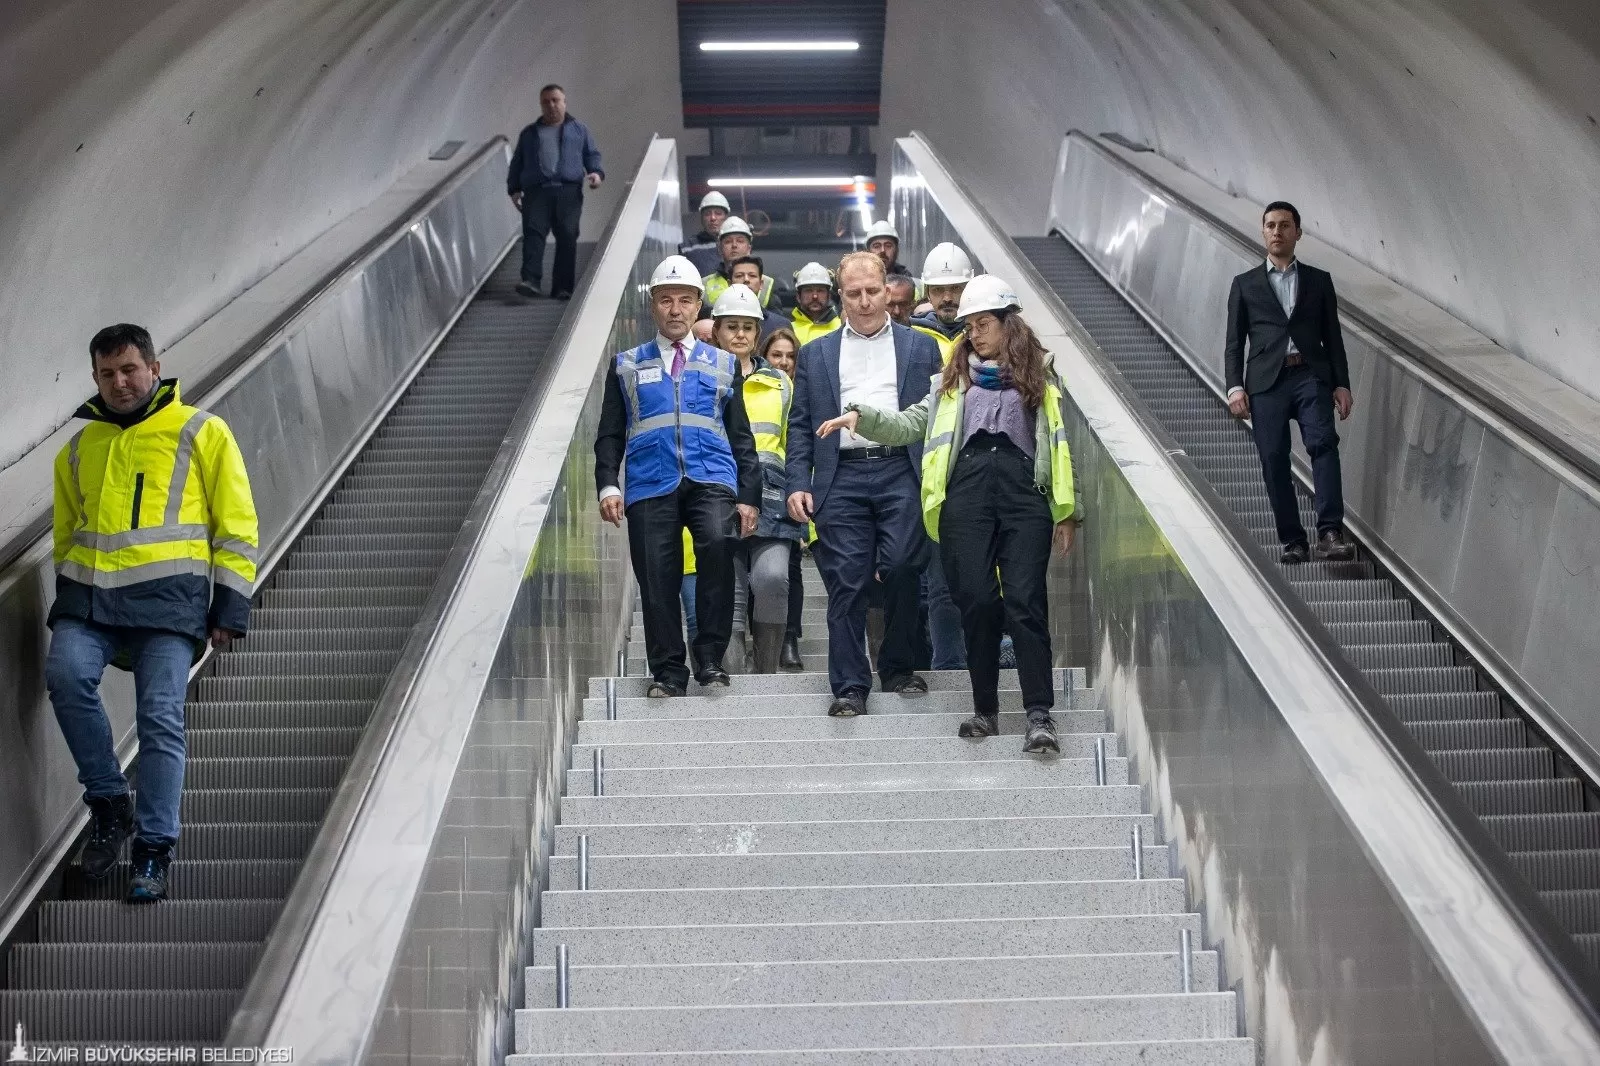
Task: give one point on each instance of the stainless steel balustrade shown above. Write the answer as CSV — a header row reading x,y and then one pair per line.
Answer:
x,y
1493,521
301,401
1353,920
413,930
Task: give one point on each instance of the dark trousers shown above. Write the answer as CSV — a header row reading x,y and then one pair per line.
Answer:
x,y
1300,395
545,210
655,543
993,517
797,593
872,516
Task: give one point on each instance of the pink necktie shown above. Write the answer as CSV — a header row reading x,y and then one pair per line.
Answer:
x,y
677,360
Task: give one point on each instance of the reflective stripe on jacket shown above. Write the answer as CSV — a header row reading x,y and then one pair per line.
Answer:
x,y
807,331
940,430
155,525
767,396
933,327
717,284
675,428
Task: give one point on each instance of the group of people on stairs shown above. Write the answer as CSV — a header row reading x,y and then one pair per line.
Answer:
x,y
884,441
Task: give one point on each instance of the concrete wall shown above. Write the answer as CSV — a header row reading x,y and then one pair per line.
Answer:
x,y
158,158
1451,144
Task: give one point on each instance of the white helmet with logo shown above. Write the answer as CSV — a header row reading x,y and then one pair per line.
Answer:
x,y
882,228
734,224
676,270
812,274
986,293
714,199
738,302
947,264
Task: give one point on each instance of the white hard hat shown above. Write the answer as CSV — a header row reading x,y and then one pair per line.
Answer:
x,y
714,199
734,224
986,293
882,228
676,270
947,264
738,302
812,274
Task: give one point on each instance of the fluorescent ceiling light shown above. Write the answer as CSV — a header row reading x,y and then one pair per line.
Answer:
x,y
796,182
779,46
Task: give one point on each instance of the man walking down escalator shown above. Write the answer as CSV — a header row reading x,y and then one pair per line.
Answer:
x,y
155,553
554,159
674,450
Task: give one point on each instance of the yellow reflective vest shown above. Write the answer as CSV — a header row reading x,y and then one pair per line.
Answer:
x,y
768,395
155,525
807,331
947,345
717,284
937,421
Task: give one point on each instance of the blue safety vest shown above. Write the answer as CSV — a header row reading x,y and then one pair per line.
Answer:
x,y
675,428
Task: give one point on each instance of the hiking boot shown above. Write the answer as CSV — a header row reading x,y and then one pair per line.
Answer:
x,y
110,825
849,705
150,865
1041,738
980,725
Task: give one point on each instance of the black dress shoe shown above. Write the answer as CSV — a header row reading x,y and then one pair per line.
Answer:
x,y
1334,548
1294,554
563,295
662,690
909,685
712,676
1041,738
526,289
848,706
790,659
980,725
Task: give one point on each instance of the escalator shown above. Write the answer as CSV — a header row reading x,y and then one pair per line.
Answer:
x,y
1512,778
273,721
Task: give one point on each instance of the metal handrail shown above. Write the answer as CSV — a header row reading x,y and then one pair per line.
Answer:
x,y
212,386
1552,943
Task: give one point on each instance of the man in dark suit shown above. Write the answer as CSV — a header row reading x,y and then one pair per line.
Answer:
x,y
866,499
1288,315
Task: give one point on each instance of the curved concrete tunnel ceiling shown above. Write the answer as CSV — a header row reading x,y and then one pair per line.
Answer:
x,y
1451,144
159,158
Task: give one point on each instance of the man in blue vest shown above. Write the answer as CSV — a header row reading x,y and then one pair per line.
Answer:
x,y
675,451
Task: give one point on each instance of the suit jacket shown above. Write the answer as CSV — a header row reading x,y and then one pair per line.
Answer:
x,y
1256,318
811,463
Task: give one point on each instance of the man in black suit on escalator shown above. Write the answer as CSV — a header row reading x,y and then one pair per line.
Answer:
x,y
1288,316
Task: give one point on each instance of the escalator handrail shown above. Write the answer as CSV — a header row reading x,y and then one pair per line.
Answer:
x,y
1579,465
292,933
1511,890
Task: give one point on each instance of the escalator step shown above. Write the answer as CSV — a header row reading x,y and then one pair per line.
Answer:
x,y
130,966
307,714
1400,656
296,742
1497,764
1578,910
277,689
1424,679
1579,830
165,1015
248,840
306,639
196,879
1561,794
173,921
264,619
253,805
1362,611
420,577
346,598
1552,871
1478,733
1349,633
263,773
1444,706
249,662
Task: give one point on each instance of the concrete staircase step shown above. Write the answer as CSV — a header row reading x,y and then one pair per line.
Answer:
x,y
1218,1052
752,754
978,866
896,938
871,980
974,1023
1085,717
760,838
861,903
1041,800
1000,773
813,681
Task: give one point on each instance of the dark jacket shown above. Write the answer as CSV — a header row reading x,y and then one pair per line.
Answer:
x,y
703,252
937,324
811,462
1256,319
578,157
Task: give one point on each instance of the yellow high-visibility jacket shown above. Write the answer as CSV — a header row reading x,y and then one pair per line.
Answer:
x,y
807,331
155,525
947,342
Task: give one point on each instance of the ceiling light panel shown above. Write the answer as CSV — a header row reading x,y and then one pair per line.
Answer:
x,y
779,46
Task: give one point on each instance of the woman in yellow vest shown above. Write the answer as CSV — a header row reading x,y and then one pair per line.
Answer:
x,y
762,572
781,351
996,493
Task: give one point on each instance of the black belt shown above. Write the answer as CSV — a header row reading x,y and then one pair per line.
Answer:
x,y
846,454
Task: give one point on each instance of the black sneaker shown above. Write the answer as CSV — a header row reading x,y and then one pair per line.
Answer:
x,y
662,690
526,289
110,825
909,685
1294,554
849,705
1041,738
712,676
1334,548
980,725
150,865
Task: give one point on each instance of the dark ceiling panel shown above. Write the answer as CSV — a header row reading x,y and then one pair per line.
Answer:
x,y
780,89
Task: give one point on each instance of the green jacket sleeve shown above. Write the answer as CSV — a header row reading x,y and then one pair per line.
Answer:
x,y
893,427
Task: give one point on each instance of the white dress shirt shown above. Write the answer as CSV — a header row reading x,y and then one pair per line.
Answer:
x,y
666,359
867,375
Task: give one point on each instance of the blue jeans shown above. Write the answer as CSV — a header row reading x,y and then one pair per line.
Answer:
x,y
944,618
686,596
79,654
